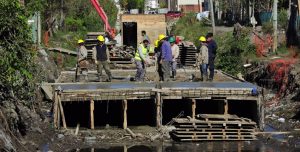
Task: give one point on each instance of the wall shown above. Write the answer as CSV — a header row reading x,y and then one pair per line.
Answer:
x,y
152,24
189,2
190,8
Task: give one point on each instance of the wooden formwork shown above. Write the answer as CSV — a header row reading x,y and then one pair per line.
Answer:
x,y
214,127
158,93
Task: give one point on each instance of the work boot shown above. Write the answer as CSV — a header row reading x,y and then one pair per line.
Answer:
x,y
205,78
109,79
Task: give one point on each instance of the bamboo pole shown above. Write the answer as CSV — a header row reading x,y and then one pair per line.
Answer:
x,y
124,114
62,113
158,110
275,25
92,108
212,16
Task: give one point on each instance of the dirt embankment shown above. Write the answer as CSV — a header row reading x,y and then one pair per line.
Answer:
x,y
281,80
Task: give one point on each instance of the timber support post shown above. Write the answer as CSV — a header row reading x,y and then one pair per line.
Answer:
x,y
158,110
124,114
62,112
55,110
92,108
225,107
194,109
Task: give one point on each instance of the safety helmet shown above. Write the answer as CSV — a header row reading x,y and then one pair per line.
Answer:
x,y
172,39
202,39
100,38
156,43
80,41
161,36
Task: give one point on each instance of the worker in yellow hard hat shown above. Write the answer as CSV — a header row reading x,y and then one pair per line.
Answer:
x,y
101,57
81,67
202,58
165,57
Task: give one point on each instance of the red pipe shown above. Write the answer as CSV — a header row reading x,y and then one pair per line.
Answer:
x,y
104,17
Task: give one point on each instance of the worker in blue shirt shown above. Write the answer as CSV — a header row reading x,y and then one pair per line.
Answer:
x,y
212,53
166,57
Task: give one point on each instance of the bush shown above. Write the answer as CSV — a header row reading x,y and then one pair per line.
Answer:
x,y
73,24
17,72
190,28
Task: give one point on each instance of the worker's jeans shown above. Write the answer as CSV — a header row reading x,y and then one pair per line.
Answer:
x,y
203,71
166,67
211,65
104,65
174,66
140,71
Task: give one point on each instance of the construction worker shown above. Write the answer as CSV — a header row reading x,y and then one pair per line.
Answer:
x,y
202,58
212,52
175,54
141,60
145,36
157,51
166,57
81,67
101,57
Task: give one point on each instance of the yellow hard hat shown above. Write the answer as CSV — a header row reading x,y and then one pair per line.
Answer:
x,y
161,36
156,43
100,38
202,39
80,41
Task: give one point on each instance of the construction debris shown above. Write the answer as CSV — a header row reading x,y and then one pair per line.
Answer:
x,y
214,127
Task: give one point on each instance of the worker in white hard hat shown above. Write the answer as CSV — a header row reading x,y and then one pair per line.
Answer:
x,y
101,57
202,58
81,67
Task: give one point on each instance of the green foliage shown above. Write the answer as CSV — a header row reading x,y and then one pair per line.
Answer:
x,y
233,52
34,5
17,58
132,4
82,16
190,28
73,24
283,19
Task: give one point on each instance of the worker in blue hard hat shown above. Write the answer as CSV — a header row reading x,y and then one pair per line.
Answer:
x,y
81,66
202,58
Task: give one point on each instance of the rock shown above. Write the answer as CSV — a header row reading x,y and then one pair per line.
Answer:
x,y
43,52
90,140
60,136
6,142
282,120
37,129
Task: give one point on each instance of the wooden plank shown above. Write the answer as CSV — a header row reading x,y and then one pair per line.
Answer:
x,y
92,108
158,110
62,113
55,110
218,116
124,114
